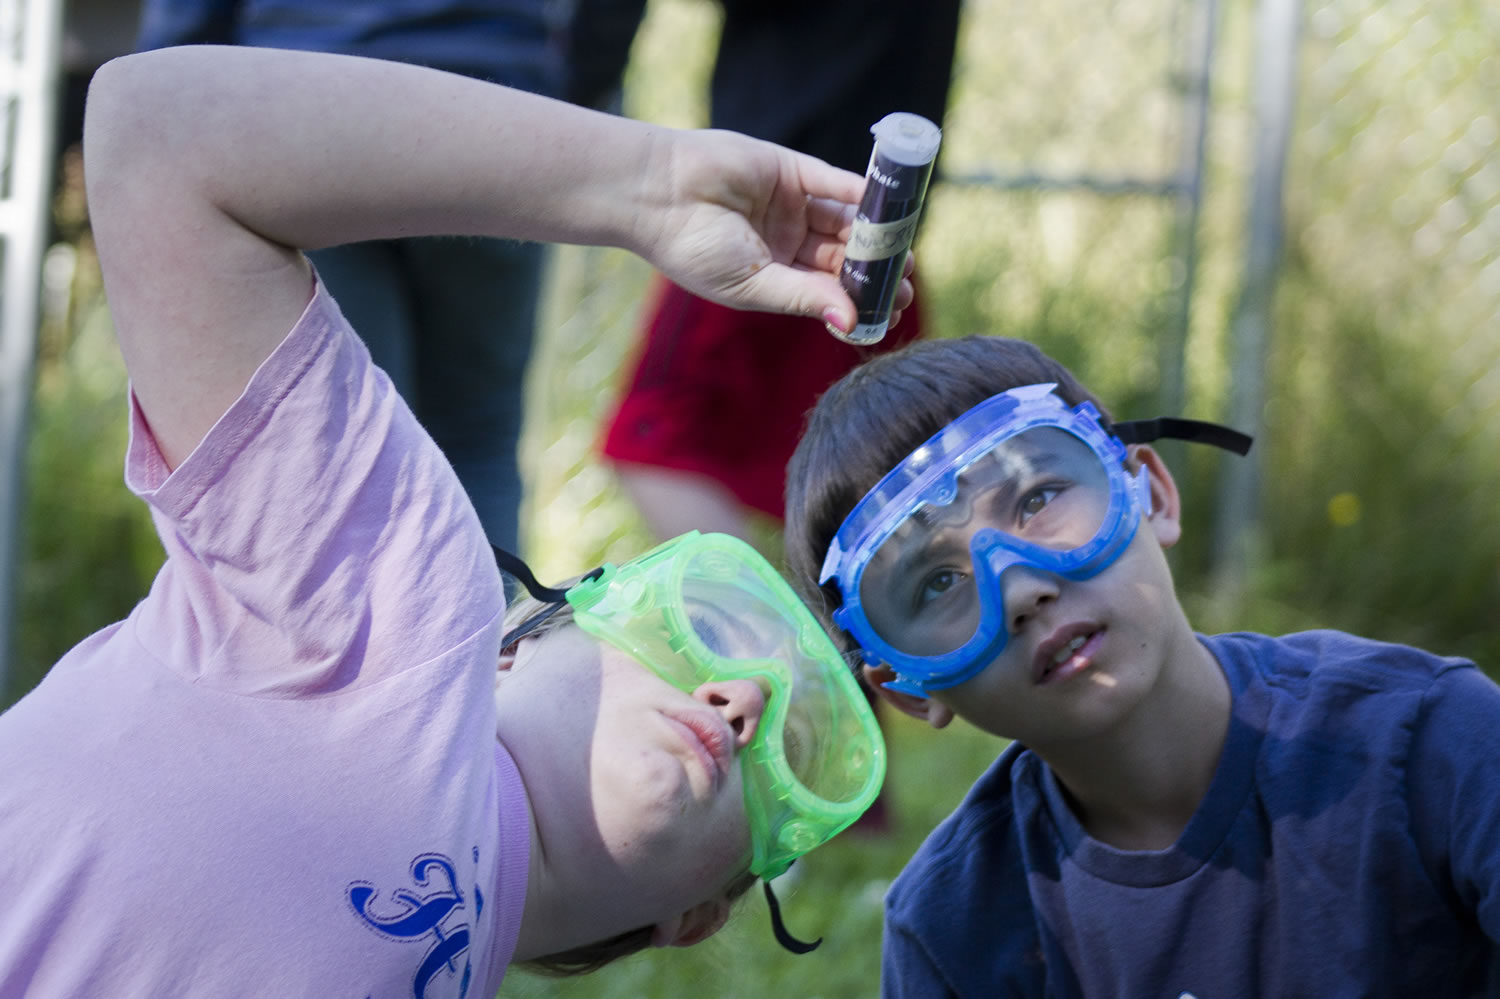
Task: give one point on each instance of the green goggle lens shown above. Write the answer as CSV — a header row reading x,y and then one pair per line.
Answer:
x,y
707,607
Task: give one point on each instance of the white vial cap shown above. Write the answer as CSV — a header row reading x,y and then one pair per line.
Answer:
x,y
906,138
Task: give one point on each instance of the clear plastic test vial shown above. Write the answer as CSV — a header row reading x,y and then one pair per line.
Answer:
x,y
895,186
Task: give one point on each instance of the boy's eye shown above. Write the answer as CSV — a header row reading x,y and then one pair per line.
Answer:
x,y
1033,502
936,584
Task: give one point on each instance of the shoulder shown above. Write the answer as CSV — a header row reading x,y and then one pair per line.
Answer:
x,y
1343,683
267,592
1308,662
1341,710
984,819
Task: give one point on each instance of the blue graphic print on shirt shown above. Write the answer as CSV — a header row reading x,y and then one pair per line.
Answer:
x,y
438,912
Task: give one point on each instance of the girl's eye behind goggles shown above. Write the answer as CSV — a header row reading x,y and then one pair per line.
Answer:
x,y
1020,479
707,607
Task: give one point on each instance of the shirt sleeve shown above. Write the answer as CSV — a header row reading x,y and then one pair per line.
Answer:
x,y
316,538
1452,782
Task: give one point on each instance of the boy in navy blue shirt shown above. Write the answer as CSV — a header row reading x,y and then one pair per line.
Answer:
x,y
1178,814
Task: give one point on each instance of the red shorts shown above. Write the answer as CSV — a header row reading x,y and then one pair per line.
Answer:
x,y
725,393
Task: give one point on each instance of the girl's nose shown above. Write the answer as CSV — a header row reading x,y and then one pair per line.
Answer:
x,y
740,702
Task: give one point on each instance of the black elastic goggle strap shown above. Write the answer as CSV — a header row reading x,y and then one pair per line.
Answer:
x,y
1196,431
783,935
519,569
547,594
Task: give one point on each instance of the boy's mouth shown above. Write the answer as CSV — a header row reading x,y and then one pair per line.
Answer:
x,y
1066,652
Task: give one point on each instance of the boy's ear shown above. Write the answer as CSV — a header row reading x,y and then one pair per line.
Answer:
x,y
1165,515
694,926
925,709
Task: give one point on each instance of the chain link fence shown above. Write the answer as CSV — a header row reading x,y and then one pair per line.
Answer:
x,y
1397,170
1384,409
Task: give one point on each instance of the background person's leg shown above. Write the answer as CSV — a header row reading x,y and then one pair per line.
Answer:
x,y
475,309
368,282
674,502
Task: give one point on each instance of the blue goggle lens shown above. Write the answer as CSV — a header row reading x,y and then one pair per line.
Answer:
x,y
1039,492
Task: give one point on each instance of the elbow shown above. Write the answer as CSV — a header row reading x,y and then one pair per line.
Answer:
x,y
128,126
130,108
108,109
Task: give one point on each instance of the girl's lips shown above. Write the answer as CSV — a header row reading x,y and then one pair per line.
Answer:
x,y
1067,652
708,742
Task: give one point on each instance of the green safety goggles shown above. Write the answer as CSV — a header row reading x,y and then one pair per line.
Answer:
x,y
707,607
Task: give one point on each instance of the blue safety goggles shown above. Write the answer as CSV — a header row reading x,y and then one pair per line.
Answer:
x,y
1020,479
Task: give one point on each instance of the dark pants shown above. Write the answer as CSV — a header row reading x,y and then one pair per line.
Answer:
x,y
451,321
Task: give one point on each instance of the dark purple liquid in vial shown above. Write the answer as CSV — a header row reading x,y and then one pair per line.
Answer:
x,y
892,202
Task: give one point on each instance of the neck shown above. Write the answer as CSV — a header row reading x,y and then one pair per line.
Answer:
x,y
536,937
1136,786
568,899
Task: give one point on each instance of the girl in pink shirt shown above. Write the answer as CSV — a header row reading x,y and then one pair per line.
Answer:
x,y
294,769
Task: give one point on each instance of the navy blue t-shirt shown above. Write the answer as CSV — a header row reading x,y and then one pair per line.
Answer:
x,y
1348,845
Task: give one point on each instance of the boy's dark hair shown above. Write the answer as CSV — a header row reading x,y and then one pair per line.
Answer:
x,y
875,416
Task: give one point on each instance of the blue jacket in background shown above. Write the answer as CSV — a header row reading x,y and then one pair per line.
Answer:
x,y
514,42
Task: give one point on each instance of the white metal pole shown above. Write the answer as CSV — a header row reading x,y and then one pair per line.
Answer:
x,y
30,39
1238,529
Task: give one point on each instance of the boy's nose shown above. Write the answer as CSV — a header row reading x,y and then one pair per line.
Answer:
x,y
740,702
1024,591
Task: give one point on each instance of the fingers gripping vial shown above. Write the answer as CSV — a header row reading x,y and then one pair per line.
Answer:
x,y
895,186
1020,479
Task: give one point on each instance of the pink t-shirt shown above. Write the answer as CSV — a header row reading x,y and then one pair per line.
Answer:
x,y
279,776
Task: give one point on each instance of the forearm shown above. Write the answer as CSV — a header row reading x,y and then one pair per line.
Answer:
x,y
208,169
311,150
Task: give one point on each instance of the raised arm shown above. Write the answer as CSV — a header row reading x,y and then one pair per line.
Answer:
x,y
208,168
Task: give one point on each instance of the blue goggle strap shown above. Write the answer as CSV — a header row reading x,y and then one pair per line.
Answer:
x,y
1192,431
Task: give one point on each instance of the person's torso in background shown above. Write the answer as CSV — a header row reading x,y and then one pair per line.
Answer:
x,y
514,42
